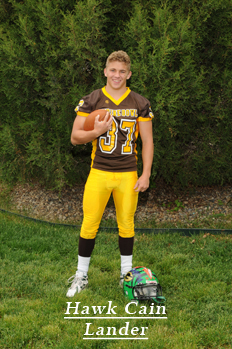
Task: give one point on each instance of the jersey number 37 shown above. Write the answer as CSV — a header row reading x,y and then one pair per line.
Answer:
x,y
108,143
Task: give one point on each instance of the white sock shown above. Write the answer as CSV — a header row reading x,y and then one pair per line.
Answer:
x,y
83,264
126,264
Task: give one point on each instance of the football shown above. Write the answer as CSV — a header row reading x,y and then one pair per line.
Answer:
x,y
90,119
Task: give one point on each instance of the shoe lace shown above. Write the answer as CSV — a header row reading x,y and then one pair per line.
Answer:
x,y
76,280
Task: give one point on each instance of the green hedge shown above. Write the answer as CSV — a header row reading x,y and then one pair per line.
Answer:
x,y
53,52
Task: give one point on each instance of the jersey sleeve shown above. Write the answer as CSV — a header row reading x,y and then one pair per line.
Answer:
x,y
144,108
146,115
87,104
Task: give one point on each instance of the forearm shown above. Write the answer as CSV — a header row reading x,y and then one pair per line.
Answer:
x,y
80,136
147,157
83,137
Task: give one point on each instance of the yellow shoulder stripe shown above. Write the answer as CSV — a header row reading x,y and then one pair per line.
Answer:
x,y
140,118
80,113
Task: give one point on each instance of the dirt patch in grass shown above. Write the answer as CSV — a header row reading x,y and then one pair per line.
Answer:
x,y
207,206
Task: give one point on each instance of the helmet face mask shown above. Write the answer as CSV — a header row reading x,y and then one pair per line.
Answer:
x,y
140,283
146,292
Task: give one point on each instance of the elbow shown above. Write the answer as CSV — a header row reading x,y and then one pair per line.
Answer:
x,y
74,141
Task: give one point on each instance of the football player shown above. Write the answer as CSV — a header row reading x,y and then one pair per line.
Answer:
x,y
114,162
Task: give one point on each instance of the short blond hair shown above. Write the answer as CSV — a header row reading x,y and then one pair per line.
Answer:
x,y
119,56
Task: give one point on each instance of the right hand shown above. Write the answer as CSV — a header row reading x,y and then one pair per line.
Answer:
x,y
103,126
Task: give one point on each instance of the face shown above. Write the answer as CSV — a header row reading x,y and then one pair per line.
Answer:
x,y
117,74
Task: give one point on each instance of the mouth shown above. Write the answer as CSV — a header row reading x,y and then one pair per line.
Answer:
x,y
116,81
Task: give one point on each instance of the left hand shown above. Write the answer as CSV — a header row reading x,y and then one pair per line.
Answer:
x,y
142,184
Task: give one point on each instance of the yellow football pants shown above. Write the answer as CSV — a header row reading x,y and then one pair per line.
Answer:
x,y
98,188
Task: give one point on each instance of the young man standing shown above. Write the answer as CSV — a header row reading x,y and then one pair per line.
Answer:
x,y
114,162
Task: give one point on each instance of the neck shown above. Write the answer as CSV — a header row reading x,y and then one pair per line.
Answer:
x,y
116,94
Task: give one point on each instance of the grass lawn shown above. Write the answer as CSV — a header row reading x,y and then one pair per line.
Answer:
x,y
37,259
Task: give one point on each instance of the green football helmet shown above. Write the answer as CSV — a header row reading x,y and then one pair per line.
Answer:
x,y
140,283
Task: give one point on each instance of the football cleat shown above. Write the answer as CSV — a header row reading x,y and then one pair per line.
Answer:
x,y
121,280
79,282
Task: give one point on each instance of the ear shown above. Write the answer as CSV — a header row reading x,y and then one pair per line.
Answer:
x,y
129,75
105,73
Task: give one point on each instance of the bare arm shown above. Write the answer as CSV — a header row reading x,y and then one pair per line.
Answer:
x,y
80,136
145,129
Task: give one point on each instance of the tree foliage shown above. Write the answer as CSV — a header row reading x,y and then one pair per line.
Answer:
x,y
53,52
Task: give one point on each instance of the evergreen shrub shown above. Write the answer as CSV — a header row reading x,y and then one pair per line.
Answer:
x,y
53,52
182,61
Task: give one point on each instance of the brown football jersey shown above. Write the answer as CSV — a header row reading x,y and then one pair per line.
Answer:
x,y
115,150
